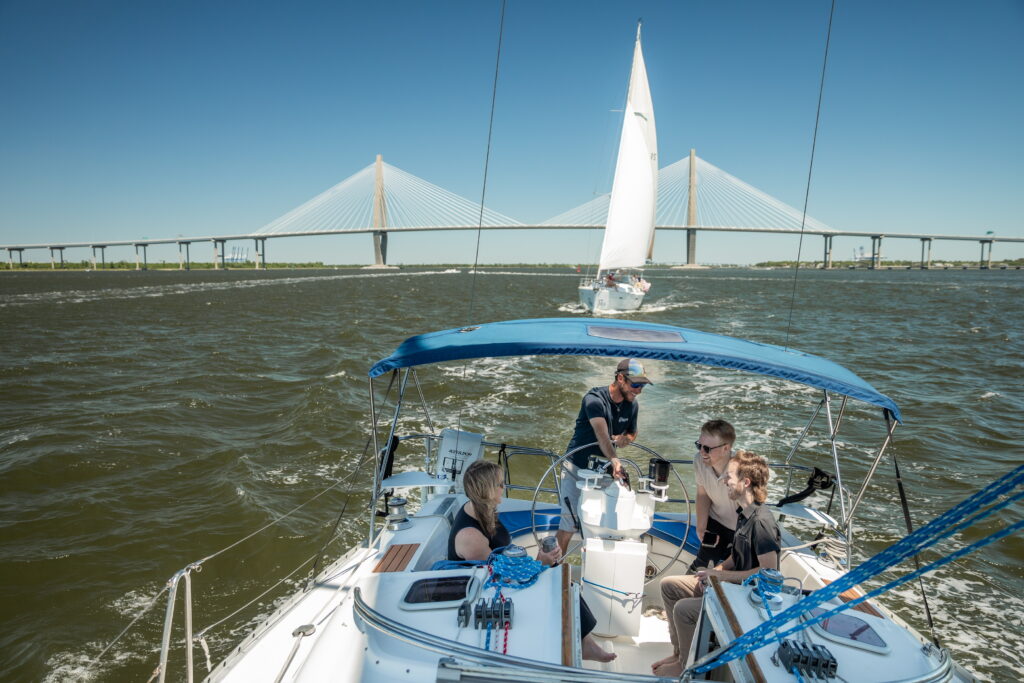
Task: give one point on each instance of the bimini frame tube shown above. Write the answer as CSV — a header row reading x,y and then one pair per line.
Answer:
x,y
796,444
832,429
376,454
423,401
874,465
378,470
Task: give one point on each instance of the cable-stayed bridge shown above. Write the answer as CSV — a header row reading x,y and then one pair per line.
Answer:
x,y
381,199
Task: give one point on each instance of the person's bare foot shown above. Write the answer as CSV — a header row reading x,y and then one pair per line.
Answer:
x,y
593,651
663,662
669,669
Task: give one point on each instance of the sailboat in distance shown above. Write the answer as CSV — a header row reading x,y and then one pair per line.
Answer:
x,y
629,230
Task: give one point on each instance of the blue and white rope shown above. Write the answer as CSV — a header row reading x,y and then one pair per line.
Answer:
x,y
512,572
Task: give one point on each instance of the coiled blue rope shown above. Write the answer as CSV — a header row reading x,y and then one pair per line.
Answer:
x,y
769,582
512,572
952,521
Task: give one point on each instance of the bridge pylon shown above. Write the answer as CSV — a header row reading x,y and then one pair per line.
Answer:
x,y
380,218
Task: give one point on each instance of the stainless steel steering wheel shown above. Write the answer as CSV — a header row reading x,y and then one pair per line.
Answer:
x,y
650,451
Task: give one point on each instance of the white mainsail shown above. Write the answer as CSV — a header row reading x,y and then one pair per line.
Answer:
x,y
629,231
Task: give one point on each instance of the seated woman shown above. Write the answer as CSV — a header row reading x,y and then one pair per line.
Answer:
x,y
477,531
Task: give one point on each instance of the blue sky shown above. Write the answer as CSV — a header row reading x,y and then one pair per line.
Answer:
x,y
124,120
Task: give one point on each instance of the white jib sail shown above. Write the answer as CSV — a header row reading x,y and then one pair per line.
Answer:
x,y
630,226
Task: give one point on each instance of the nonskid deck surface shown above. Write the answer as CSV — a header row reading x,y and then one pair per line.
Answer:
x,y
635,655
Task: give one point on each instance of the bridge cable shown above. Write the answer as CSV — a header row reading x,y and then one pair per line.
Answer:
x,y
810,170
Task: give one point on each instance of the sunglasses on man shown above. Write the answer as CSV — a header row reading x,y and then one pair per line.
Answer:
x,y
706,449
633,385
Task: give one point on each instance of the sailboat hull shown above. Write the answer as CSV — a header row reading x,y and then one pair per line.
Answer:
x,y
598,297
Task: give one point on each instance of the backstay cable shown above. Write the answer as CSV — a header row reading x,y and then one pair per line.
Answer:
x,y
487,161
483,190
810,169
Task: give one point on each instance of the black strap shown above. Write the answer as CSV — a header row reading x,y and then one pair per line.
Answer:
x,y
818,481
917,563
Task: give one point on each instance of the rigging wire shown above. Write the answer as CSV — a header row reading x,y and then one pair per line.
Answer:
x,y
810,170
483,190
487,163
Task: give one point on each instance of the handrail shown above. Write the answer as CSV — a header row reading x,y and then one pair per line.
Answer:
x,y
165,643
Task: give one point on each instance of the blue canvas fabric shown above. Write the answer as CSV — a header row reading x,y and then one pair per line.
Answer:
x,y
629,338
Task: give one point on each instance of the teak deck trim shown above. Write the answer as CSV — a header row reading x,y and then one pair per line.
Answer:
x,y
734,624
396,559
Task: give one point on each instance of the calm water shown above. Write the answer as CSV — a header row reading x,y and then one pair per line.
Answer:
x,y
150,419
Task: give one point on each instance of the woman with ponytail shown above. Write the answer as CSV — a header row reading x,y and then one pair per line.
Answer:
x,y
477,531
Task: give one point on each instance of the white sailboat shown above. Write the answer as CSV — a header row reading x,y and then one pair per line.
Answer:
x,y
629,231
392,608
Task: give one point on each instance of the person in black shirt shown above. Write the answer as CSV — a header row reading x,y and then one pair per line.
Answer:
x,y
477,531
608,415
755,545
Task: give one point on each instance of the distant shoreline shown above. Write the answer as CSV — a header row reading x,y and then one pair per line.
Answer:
x,y
130,266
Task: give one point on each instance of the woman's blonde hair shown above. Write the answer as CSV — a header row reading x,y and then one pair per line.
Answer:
x,y
752,466
480,479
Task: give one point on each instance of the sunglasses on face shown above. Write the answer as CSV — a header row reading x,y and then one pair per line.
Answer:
x,y
706,449
633,385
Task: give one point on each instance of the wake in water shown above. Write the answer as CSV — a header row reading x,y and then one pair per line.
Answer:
x,y
659,306
154,291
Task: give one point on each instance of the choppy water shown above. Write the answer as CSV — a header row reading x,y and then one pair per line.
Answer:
x,y
149,419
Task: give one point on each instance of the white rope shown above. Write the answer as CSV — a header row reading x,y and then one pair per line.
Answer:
x,y
277,519
215,624
148,607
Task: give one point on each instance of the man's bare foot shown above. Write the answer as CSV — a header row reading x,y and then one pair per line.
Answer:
x,y
666,660
670,669
593,651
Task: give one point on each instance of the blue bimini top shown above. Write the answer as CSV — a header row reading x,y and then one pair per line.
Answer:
x,y
629,338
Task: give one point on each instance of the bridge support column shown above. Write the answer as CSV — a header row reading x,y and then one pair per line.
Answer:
x,y
380,248
985,262
10,259
826,261
59,250
926,261
876,251
142,264
184,262
691,211
218,254
260,259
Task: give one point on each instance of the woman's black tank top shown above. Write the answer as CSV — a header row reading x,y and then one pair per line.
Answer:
x,y
500,539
